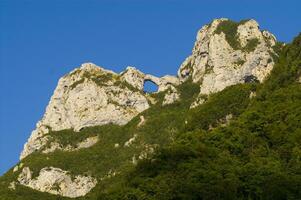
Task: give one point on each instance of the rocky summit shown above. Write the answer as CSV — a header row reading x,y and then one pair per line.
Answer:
x,y
103,137
90,96
226,53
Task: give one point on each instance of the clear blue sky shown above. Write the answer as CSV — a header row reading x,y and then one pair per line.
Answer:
x,y
42,40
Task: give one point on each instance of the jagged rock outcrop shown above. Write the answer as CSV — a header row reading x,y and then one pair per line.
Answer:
x,y
57,181
227,53
90,96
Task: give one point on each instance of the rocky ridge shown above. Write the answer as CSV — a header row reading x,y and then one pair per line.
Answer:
x,y
227,53
90,96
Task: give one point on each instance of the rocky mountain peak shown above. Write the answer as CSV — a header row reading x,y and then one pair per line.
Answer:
x,y
226,53
89,66
91,95
92,68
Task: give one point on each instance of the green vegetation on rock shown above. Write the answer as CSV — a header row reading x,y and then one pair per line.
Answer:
x,y
251,45
229,28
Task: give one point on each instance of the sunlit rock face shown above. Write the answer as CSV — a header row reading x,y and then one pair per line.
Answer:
x,y
93,96
227,53
57,181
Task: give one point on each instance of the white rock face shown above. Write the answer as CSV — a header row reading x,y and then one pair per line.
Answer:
x,y
57,181
90,96
87,96
215,64
171,96
134,77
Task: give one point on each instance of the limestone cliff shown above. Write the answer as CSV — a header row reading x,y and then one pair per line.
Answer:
x,y
90,96
226,53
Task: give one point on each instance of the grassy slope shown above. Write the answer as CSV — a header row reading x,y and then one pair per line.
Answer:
x,y
257,156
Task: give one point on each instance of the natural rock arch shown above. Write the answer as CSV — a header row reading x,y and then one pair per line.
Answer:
x,y
150,86
137,79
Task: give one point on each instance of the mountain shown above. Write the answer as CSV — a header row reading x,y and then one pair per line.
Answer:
x,y
227,127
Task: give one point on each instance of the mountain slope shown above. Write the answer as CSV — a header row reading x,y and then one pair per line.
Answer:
x,y
256,156
241,142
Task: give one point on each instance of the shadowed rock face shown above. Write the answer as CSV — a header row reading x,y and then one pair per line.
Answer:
x,y
226,52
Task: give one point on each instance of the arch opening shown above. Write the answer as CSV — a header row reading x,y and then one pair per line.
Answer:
x,y
149,86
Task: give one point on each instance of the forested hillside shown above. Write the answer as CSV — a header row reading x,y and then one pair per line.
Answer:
x,y
243,142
